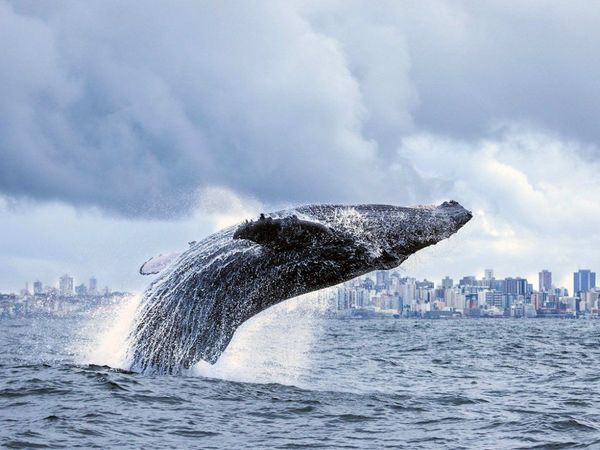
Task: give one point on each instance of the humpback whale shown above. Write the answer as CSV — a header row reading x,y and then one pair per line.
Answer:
x,y
201,296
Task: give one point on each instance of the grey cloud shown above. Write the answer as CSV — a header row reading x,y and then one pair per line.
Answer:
x,y
515,61
134,108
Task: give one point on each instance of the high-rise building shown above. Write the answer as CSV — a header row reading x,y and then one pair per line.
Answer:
x,y
407,291
468,280
545,280
583,281
497,299
368,283
25,292
425,284
516,286
81,290
93,286
382,279
489,274
537,300
498,285
454,298
66,285
394,282
447,282
37,287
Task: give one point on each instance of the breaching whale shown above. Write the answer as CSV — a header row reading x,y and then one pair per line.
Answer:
x,y
201,296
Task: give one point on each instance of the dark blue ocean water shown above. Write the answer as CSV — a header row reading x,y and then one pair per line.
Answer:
x,y
295,380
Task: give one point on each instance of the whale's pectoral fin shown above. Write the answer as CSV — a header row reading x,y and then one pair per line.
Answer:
x,y
288,233
156,264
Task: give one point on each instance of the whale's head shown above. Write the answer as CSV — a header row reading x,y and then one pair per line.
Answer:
x,y
373,236
390,234
398,232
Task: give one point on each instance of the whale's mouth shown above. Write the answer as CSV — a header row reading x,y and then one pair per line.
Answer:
x,y
452,209
464,218
456,212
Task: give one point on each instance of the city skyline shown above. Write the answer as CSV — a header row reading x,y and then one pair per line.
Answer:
x,y
65,284
544,275
388,293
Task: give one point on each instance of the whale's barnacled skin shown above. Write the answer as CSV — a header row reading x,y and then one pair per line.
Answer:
x,y
190,312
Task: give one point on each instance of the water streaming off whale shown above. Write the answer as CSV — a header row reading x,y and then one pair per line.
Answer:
x,y
193,308
271,347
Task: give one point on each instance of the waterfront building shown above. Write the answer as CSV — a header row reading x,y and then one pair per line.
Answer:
x,y
482,297
583,281
516,286
343,299
395,281
81,290
496,299
469,280
407,292
93,286
425,284
498,285
454,298
589,300
37,287
545,281
570,303
66,285
382,279
471,301
447,283
537,300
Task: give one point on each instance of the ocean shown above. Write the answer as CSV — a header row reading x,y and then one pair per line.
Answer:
x,y
293,378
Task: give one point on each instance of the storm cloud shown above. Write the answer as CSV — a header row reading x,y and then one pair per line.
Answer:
x,y
134,109
153,110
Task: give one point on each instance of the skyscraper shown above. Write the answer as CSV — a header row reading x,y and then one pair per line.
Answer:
x,y
489,274
447,282
468,280
37,287
66,285
81,290
516,286
93,286
583,280
382,278
545,280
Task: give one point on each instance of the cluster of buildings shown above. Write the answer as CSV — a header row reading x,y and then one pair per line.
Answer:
x,y
390,294
382,293
65,299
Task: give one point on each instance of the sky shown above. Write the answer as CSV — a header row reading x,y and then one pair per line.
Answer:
x,y
128,130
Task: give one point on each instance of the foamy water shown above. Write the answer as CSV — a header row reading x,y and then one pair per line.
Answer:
x,y
107,331
271,347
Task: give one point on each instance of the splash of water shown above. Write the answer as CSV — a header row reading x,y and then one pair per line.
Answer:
x,y
107,332
272,347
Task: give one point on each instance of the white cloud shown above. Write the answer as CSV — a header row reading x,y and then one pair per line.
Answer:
x,y
46,241
533,194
